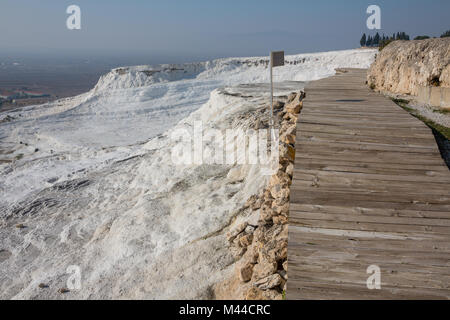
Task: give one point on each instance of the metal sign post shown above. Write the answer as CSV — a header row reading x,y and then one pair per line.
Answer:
x,y
276,60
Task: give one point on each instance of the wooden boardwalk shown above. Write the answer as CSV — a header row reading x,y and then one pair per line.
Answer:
x,y
369,188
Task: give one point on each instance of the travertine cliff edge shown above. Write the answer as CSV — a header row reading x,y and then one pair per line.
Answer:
x,y
414,68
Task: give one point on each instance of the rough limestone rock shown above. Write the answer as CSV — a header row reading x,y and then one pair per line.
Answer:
x,y
246,240
232,234
269,282
266,213
253,219
251,201
274,250
279,191
295,105
245,271
403,67
255,294
283,209
280,220
264,268
281,178
290,169
287,151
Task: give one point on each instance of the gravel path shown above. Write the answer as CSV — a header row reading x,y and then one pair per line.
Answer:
x,y
433,114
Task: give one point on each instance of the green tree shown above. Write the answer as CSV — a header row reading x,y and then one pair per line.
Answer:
x,y
369,41
421,37
402,36
376,40
363,40
446,34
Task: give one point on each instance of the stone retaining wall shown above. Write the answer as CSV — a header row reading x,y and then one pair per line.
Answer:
x,y
261,241
434,96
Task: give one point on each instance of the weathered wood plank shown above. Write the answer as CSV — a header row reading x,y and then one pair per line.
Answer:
x,y
357,164
355,131
351,210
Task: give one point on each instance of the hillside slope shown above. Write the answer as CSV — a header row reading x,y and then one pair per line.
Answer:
x,y
90,181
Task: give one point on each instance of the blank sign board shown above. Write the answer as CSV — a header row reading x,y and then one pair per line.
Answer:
x,y
277,58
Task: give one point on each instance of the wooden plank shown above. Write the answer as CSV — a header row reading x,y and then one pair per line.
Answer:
x,y
444,179
327,198
389,141
371,226
301,216
352,210
320,136
319,290
323,155
357,164
331,255
404,279
313,127
366,122
339,145
368,170
320,239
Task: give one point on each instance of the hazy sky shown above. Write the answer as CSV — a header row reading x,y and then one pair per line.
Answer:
x,y
199,29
